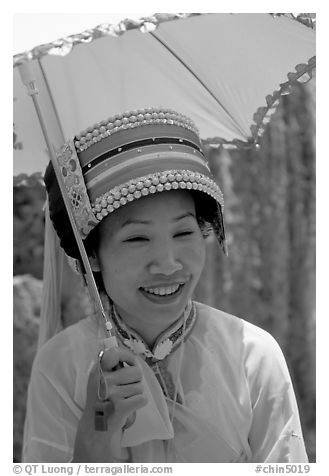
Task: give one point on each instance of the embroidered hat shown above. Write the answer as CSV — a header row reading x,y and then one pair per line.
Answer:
x,y
126,157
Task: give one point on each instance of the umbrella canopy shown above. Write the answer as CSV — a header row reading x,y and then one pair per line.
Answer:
x,y
225,71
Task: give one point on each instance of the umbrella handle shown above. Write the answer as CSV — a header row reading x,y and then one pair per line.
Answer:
x,y
28,79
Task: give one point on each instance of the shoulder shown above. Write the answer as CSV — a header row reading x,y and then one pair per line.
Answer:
x,y
211,316
223,322
74,344
62,366
241,344
237,333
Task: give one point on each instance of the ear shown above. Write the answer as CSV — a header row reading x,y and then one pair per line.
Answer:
x,y
94,262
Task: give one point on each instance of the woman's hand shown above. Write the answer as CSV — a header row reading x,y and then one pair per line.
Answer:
x,y
124,391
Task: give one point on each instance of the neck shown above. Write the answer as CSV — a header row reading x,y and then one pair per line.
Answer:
x,y
160,346
149,336
150,333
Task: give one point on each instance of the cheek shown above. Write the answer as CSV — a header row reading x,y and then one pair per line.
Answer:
x,y
109,266
194,253
118,271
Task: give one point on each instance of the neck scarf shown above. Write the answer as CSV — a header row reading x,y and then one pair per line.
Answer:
x,y
166,343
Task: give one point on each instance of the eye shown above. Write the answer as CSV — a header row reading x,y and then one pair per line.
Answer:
x,y
183,233
136,239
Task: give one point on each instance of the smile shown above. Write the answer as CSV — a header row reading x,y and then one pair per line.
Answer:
x,y
163,294
163,290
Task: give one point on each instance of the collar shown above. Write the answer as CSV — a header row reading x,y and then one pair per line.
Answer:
x,y
166,342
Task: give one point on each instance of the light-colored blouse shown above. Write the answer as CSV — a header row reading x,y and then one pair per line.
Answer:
x,y
236,401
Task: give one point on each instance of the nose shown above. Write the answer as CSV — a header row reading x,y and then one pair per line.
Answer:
x,y
164,260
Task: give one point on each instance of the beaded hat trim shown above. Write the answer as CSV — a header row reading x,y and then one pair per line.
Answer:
x,y
130,156
131,120
153,183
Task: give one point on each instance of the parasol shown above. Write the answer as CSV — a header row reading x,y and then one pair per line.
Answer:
x,y
226,72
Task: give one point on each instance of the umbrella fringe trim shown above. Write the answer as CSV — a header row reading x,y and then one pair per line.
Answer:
x,y
63,46
263,115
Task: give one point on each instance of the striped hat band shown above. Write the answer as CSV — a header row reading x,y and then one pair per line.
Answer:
x,y
129,156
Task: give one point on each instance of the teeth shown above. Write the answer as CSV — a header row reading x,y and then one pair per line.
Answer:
x,y
163,291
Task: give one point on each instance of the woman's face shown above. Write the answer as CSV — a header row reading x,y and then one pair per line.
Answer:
x,y
151,254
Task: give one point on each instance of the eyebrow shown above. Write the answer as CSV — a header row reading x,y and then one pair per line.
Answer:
x,y
135,221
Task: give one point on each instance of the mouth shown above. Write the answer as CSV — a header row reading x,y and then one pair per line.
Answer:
x,y
162,294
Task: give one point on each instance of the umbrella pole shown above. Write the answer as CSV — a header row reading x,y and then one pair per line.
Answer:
x,y
29,81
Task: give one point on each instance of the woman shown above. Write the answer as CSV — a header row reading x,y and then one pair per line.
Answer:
x,y
187,383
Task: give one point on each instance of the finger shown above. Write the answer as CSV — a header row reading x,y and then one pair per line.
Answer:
x,y
112,357
126,391
131,404
124,376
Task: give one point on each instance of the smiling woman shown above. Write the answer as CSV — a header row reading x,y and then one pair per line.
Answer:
x,y
187,383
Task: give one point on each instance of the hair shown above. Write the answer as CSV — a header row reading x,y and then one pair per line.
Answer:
x,y
60,218
205,207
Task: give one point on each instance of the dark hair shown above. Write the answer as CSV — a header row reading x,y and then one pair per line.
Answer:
x,y
60,218
205,211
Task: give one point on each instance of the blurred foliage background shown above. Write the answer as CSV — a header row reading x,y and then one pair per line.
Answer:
x,y
268,278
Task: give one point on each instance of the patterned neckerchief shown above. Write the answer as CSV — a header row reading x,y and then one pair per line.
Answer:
x,y
166,342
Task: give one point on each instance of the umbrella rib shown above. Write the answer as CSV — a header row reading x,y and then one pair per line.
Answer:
x,y
196,77
51,99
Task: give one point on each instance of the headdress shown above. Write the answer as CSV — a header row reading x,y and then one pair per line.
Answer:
x,y
129,156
